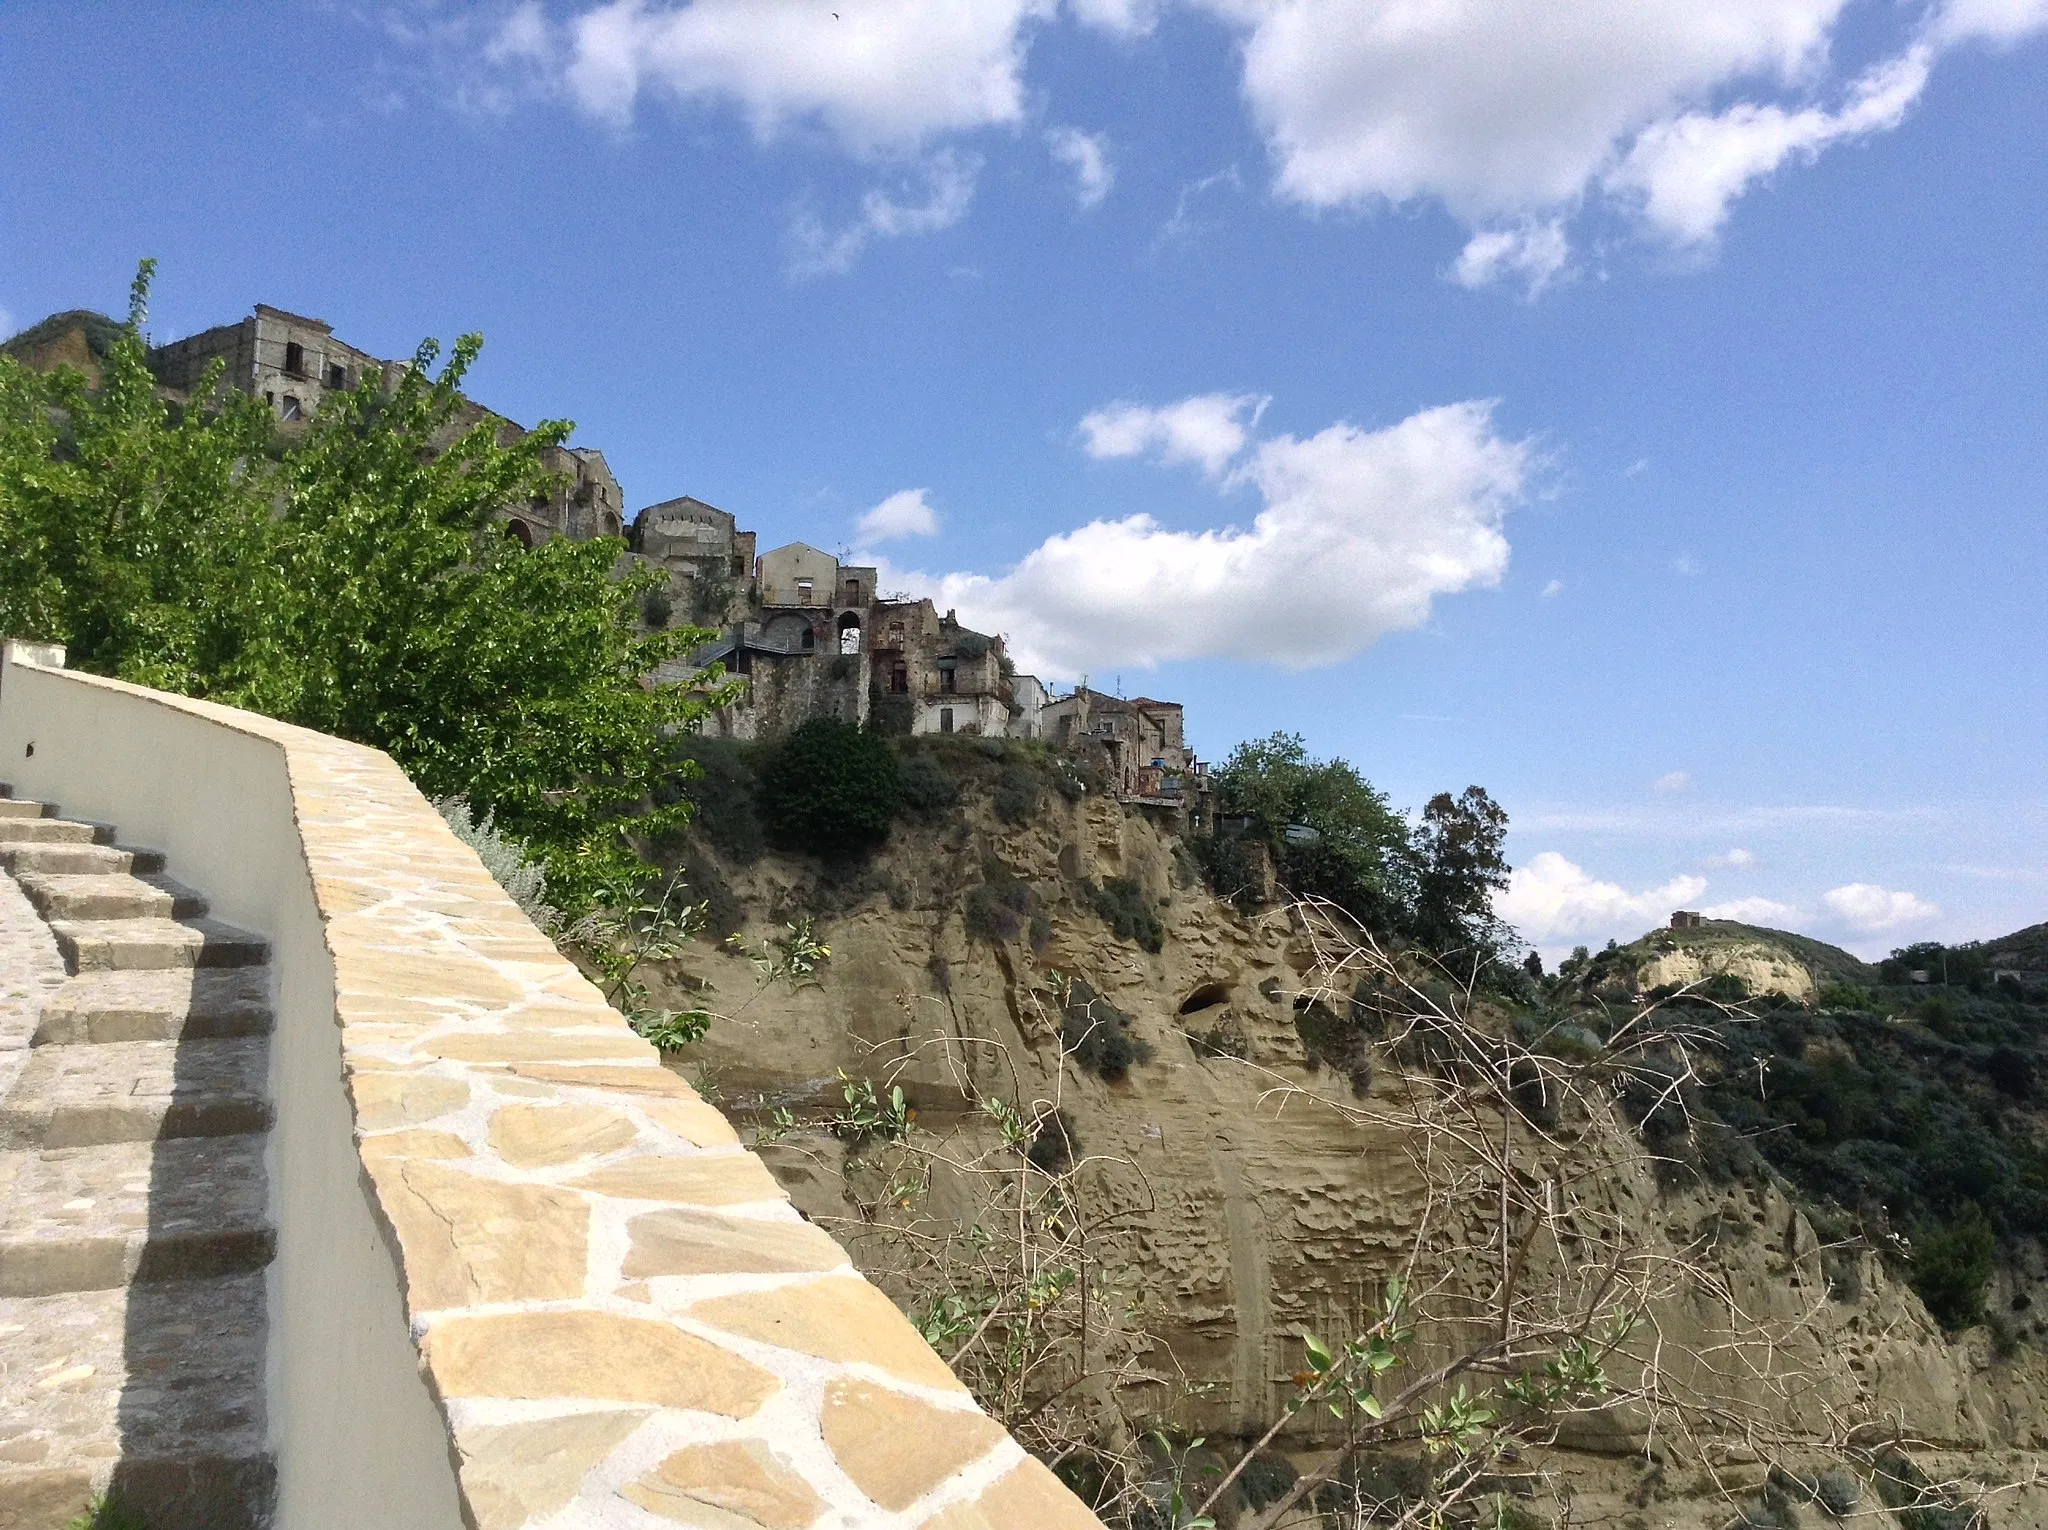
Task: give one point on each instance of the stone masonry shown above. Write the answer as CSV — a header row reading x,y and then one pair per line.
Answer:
x,y
620,1316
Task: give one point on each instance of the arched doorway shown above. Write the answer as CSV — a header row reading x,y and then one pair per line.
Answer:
x,y
849,633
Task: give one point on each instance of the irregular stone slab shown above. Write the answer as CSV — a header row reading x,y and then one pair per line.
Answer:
x,y
652,1079
1028,1494
680,1241
385,1100
469,1241
418,1143
516,1474
158,1388
693,1121
99,1007
733,1485
896,1448
92,1218
135,1091
580,1353
49,831
708,1179
838,1318
535,1136
539,1046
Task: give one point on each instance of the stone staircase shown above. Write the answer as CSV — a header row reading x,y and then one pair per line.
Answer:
x,y
134,1230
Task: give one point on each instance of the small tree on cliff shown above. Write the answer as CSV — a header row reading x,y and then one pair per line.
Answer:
x,y
830,789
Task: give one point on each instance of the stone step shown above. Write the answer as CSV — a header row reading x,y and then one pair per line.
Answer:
x,y
137,1091
73,859
23,807
154,1392
109,895
53,831
94,1008
133,945
92,1218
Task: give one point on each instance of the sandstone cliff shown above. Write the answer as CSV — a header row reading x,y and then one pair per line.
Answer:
x,y
1254,1215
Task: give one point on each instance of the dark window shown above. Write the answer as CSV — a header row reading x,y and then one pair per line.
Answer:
x,y
853,592
803,592
337,375
294,359
949,677
743,662
899,681
810,639
945,719
519,532
739,566
291,407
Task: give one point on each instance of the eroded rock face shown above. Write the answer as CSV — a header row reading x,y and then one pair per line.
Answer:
x,y
1255,1215
1761,969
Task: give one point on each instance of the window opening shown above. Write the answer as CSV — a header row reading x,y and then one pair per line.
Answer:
x,y
294,359
949,676
899,681
291,407
803,592
810,639
849,633
945,719
337,375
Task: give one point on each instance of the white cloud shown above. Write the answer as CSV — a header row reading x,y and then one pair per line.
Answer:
x,y
1121,18
1087,155
1994,21
1672,781
1764,911
878,77
1687,171
1359,532
1535,251
906,513
1737,858
935,196
1516,114
1550,899
1867,908
1554,588
1685,565
1208,429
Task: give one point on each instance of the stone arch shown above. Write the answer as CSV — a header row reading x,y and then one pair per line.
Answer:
x,y
521,533
849,633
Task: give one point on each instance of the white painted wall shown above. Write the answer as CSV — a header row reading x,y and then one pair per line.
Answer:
x,y
359,1443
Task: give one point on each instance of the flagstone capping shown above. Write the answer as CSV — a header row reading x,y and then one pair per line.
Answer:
x,y
618,1317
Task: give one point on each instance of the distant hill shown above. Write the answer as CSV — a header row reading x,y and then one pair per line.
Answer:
x,y
78,338
2024,950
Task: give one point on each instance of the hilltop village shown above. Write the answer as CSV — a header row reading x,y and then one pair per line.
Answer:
x,y
813,637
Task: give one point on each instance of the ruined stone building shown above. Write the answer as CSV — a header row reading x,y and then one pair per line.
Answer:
x,y
1138,745
292,362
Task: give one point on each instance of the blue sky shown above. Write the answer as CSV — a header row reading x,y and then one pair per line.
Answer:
x,y
1633,407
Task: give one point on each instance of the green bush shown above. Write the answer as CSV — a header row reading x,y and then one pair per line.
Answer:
x,y
1840,995
829,789
996,909
1017,793
656,608
1125,909
717,776
925,787
1952,1266
1097,1035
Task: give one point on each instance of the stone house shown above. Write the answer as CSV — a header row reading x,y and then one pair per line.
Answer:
x,y
936,676
1137,744
709,561
291,362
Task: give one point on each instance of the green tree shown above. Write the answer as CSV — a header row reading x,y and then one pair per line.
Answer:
x,y
830,789
1460,865
1347,844
354,582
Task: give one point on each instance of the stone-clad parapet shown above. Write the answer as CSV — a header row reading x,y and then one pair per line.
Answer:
x,y
618,1315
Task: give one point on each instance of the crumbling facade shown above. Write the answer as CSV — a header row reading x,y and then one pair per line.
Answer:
x,y
1137,744
292,362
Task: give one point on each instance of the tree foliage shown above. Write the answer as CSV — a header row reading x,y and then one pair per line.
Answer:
x,y
353,581
830,789
1334,835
